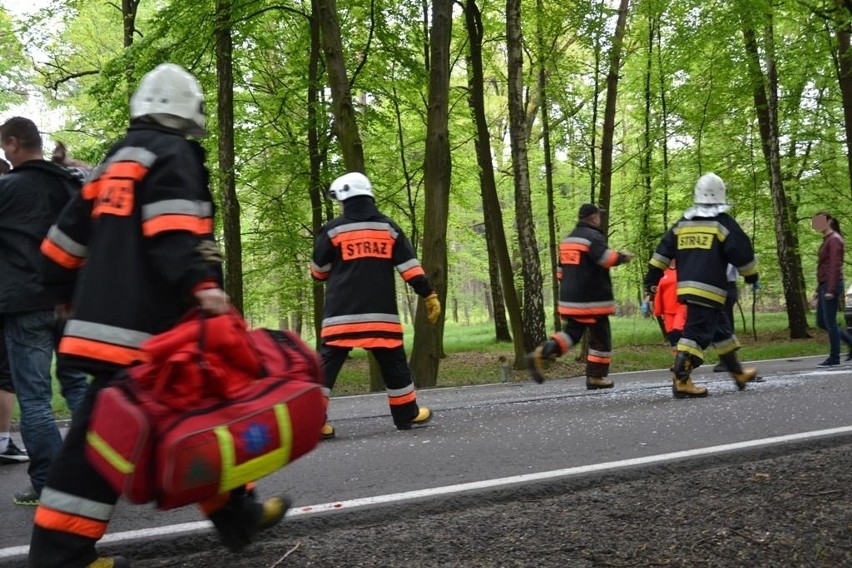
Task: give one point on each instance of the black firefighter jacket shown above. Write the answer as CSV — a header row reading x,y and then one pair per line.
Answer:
x,y
31,197
584,264
703,247
359,254
132,237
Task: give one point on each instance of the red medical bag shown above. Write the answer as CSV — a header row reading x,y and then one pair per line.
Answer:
x,y
196,421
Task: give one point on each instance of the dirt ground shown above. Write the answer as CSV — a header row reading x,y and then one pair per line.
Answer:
x,y
784,508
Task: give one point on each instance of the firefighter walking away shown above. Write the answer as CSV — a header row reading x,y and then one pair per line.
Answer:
x,y
358,255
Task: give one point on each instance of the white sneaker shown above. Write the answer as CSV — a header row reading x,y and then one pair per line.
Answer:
x,y
13,454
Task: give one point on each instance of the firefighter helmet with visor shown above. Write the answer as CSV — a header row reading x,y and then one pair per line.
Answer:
x,y
709,197
171,96
710,190
349,185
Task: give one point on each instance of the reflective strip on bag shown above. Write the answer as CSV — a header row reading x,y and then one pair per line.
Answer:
x,y
108,453
234,475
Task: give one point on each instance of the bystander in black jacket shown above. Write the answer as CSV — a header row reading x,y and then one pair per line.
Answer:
x,y
31,198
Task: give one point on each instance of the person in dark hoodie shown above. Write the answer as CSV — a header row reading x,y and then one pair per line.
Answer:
x,y
32,196
585,299
357,254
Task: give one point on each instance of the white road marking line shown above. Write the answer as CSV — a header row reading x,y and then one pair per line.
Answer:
x,y
562,473
472,486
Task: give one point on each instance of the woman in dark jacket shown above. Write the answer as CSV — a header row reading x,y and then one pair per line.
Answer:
x,y
830,285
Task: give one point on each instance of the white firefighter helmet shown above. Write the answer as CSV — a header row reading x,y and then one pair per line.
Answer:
x,y
710,190
710,197
170,96
349,185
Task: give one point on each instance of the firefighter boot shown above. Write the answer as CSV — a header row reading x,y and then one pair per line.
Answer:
x,y
741,376
547,351
110,562
327,432
682,386
424,415
243,517
593,383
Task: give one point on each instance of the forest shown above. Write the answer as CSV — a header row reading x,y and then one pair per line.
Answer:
x,y
483,126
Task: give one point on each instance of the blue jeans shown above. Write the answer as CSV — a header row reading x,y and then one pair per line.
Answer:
x,y
826,318
30,344
73,384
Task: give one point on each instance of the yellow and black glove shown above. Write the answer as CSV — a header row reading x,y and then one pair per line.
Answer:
x,y
433,308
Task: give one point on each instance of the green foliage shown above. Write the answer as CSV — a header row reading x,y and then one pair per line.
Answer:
x,y
14,67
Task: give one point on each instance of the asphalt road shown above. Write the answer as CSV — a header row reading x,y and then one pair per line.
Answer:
x,y
490,437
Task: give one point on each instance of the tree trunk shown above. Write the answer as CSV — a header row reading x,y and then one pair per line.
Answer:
x,y
844,75
129,9
593,135
437,169
315,190
493,213
765,103
495,302
646,239
227,181
531,266
345,124
664,111
552,242
609,112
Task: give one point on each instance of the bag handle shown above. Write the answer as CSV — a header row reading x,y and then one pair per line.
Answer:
x,y
203,331
193,314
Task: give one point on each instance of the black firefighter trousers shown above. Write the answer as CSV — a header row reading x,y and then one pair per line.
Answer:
x,y
396,375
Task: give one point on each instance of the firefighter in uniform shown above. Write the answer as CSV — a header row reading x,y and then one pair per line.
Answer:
x,y
356,254
138,243
704,241
585,299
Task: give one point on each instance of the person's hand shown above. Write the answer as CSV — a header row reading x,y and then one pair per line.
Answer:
x,y
214,301
828,296
628,256
755,286
433,308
